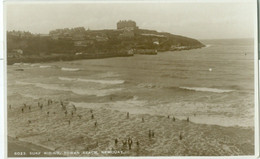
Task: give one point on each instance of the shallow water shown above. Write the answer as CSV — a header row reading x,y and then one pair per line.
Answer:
x,y
212,85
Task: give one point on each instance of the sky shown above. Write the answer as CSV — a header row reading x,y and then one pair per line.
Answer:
x,y
208,20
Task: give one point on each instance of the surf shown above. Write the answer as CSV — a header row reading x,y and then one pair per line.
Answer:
x,y
69,69
205,89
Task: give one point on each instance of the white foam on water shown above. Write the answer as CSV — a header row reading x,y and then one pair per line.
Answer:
x,y
96,92
111,82
17,64
69,69
132,105
67,79
79,91
102,81
33,65
22,83
30,96
108,74
205,89
146,85
221,120
45,66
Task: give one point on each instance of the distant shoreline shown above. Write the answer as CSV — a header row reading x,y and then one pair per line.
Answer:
x,y
72,57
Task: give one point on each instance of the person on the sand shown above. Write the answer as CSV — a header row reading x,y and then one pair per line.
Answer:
x,y
22,110
124,143
95,123
173,118
116,141
150,134
29,107
74,107
137,143
180,136
130,145
188,119
41,106
66,113
92,116
168,116
127,115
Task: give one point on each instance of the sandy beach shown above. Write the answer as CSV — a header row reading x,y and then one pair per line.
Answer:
x,y
77,135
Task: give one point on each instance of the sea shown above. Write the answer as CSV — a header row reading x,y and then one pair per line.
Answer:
x,y
211,85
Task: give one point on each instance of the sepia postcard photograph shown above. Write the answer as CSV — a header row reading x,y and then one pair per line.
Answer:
x,y
129,79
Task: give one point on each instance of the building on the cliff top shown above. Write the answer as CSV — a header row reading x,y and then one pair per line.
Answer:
x,y
126,24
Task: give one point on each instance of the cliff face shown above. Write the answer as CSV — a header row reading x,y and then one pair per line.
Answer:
x,y
96,41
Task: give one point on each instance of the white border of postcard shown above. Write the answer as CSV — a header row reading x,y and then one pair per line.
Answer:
x,y
3,91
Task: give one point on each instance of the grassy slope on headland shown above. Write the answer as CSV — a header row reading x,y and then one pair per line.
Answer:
x,y
42,49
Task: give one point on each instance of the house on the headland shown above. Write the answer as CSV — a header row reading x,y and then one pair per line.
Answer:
x,y
126,24
77,37
66,33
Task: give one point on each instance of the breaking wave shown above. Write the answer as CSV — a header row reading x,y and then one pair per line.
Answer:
x,y
45,66
69,69
79,91
93,80
204,89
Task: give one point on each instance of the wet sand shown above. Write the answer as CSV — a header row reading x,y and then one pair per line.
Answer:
x,y
58,132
